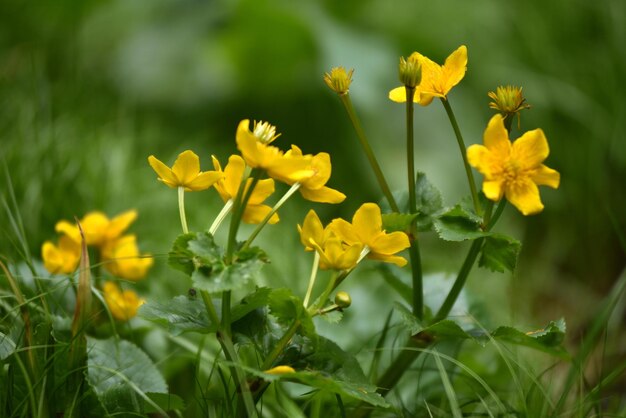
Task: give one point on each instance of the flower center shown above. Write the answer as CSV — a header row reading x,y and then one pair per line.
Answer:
x,y
511,170
264,132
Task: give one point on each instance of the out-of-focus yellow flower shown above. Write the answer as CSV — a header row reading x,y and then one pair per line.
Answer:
x,y
184,173
122,259
122,304
437,80
366,229
61,259
513,169
339,80
97,227
256,151
280,370
314,188
228,186
311,231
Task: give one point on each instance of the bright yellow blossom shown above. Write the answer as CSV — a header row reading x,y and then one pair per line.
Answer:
x,y
280,370
228,186
184,173
97,227
366,229
513,169
256,151
311,230
123,305
437,80
63,258
314,188
337,255
123,259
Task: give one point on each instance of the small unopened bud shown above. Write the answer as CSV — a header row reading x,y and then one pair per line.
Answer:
x,y
339,80
343,299
508,100
410,71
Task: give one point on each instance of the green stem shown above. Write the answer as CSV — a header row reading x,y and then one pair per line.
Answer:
x,y
181,209
280,346
496,216
417,280
238,376
220,217
345,99
239,205
267,218
410,153
210,307
332,283
309,290
462,148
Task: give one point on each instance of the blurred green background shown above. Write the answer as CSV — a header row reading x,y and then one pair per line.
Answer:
x,y
89,89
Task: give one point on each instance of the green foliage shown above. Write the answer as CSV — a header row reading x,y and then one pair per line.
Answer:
x,y
459,224
122,375
287,308
7,346
499,253
178,315
197,255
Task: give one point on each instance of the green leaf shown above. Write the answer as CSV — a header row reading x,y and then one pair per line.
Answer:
x,y
398,222
197,255
499,253
332,317
429,202
180,314
286,308
121,374
446,329
548,339
7,346
165,401
410,321
459,224
255,300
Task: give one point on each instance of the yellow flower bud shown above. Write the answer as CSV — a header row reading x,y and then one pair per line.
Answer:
x,y
280,370
339,80
508,100
343,299
410,71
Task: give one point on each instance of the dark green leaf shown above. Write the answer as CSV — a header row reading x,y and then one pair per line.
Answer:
x,y
398,222
445,329
547,339
165,401
7,346
429,202
257,299
180,314
499,253
410,321
179,256
286,308
458,224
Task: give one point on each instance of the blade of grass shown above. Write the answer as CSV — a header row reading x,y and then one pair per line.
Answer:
x,y
447,386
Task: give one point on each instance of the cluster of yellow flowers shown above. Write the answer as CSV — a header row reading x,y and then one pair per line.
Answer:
x,y
118,253
341,244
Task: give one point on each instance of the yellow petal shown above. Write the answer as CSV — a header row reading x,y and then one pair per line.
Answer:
x,y
530,149
203,181
323,195
186,167
496,138
367,222
479,157
247,144
454,68
95,225
493,189
312,229
545,176
69,229
394,259
164,172
344,230
524,195
120,223
233,174
280,370
264,188
390,243
289,169
254,214
398,95
320,164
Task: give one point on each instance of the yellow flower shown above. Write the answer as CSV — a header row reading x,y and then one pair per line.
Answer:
x,y
437,80
280,370
228,186
334,254
123,305
513,169
366,229
122,258
97,227
313,188
256,151
339,80
184,173
62,259
508,101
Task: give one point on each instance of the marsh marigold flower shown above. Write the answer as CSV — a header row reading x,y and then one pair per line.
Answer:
x,y
97,227
314,188
123,305
339,80
61,259
184,173
367,229
437,80
513,170
229,184
123,259
256,151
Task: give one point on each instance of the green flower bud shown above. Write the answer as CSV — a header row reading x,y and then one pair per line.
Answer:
x,y
410,71
343,299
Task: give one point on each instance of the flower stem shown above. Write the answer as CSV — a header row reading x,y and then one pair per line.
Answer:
x,y
280,346
267,218
345,99
239,205
414,251
309,290
462,148
220,216
210,307
181,209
